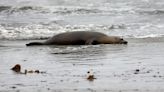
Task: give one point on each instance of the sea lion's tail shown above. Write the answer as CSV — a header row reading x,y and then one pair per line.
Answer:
x,y
34,43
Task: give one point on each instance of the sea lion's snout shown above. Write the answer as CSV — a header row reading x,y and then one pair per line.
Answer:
x,y
123,41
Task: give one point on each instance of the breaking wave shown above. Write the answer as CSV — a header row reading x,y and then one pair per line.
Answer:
x,y
3,8
25,19
150,12
39,31
64,10
21,9
48,9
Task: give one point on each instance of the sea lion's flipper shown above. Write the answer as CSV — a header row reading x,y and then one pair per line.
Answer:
x,y
91,42
34,43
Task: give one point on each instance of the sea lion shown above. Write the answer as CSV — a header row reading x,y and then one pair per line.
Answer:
x,y
80,38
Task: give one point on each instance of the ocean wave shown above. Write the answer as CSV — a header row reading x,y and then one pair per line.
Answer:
x,y
63,10
66,10
48,9
38,31
150,12
75,10
27,32
20,9
149,36
3,8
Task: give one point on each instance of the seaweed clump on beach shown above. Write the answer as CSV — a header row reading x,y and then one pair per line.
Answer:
x,y
17,69
91,76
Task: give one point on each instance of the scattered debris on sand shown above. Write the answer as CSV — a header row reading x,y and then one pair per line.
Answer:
x,y
136,71
91,76
17,69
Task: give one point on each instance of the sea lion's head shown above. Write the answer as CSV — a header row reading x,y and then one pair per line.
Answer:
x,y
112,40
120,40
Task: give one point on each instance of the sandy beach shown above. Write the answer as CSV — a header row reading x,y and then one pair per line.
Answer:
x,y
136,67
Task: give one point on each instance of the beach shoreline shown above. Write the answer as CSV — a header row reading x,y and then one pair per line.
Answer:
x,y
136,67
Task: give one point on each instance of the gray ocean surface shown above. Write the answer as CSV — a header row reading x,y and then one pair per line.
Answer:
x,y
32,19
136,67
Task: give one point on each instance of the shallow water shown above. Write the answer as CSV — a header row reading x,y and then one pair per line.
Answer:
x,y
66,67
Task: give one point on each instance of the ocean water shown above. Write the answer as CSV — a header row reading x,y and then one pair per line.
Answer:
x,y
136,67
32,19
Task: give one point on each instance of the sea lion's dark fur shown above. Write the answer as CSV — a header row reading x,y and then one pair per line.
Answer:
x,y
80,38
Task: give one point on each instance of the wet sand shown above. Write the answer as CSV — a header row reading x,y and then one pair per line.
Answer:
x,y
136,67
